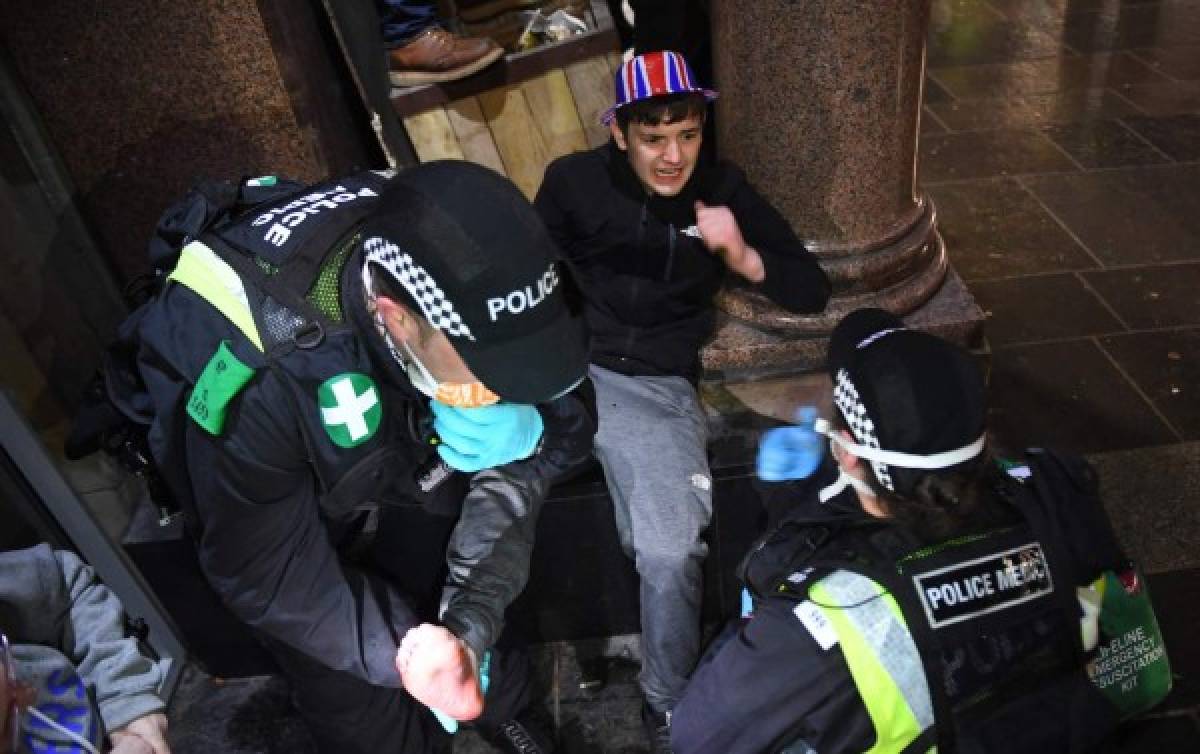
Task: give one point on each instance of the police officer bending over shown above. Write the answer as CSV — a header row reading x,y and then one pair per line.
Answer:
x,y
914,592
299,363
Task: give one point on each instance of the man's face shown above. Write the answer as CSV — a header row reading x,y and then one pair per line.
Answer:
x,y
429,345
664,155
434,350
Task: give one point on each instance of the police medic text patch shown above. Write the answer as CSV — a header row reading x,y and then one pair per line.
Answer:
x,y
984,585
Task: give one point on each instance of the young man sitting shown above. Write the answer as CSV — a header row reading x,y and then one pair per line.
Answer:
x,y
648,229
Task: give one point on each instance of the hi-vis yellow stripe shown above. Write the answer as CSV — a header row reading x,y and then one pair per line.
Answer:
x,y
899,709
211,278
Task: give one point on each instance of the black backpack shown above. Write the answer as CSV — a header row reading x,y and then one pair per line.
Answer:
x,y
115,413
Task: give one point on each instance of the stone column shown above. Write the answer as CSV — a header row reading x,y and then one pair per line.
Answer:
x,y
820,104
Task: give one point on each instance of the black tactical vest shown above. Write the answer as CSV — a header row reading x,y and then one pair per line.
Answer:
x,y
362,423
993,615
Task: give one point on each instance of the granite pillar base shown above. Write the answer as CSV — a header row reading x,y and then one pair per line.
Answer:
x,y
820,104
745,350
908,286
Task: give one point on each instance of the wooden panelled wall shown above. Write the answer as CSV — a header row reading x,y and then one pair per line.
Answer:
x,y
518,129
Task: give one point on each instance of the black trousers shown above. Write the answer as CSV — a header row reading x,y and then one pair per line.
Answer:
x,y
347,715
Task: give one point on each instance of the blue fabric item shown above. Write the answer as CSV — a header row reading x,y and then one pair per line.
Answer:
x,y
788,453
68,641
485,671
482,438
401,20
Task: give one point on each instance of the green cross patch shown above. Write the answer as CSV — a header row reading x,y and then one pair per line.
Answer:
x,y
350,408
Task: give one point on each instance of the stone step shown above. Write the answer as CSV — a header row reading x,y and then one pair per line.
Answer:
x,y
741,351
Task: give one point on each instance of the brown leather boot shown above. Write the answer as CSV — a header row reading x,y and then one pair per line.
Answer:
x,y
437,55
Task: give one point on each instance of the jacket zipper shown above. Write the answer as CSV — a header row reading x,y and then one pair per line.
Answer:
x,y
641,231
629,339
633,293
670,253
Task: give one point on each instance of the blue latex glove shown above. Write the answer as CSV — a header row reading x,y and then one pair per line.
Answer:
x,y
486,437
747,603
787,453
449,724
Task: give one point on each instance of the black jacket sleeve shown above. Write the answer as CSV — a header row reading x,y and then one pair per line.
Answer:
x,y
265,550
793,280
1068,496
549,205
765,684
490,548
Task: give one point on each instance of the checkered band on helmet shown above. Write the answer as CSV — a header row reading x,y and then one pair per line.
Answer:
x,y
845,395
420,285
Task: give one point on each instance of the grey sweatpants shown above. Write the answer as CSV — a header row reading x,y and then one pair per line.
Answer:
x,y
651,442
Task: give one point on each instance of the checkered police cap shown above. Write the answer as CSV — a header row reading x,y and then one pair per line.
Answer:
x,y
906,393
472,256
421,286
845,397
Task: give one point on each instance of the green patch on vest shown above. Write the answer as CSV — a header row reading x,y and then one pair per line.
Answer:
x,y
350,408
222,379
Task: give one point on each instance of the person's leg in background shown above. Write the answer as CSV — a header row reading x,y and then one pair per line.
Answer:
x,y
660,25
402,20
652,443
680,26
420,51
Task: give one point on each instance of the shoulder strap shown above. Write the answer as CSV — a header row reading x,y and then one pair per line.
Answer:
x,y
787,547
210,204
1041,500
282,248
214,280
273,295
294,235
1068,492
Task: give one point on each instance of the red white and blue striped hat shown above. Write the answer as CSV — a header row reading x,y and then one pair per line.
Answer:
x,y
653,74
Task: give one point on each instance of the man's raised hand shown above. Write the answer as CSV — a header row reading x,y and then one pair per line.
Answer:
x,y
719,231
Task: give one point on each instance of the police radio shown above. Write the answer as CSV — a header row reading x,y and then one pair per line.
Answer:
x,y
430,475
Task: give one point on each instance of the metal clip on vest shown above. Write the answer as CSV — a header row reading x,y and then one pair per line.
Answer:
x,y
430,475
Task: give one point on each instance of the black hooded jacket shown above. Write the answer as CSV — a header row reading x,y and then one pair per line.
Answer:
x,y
647,286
